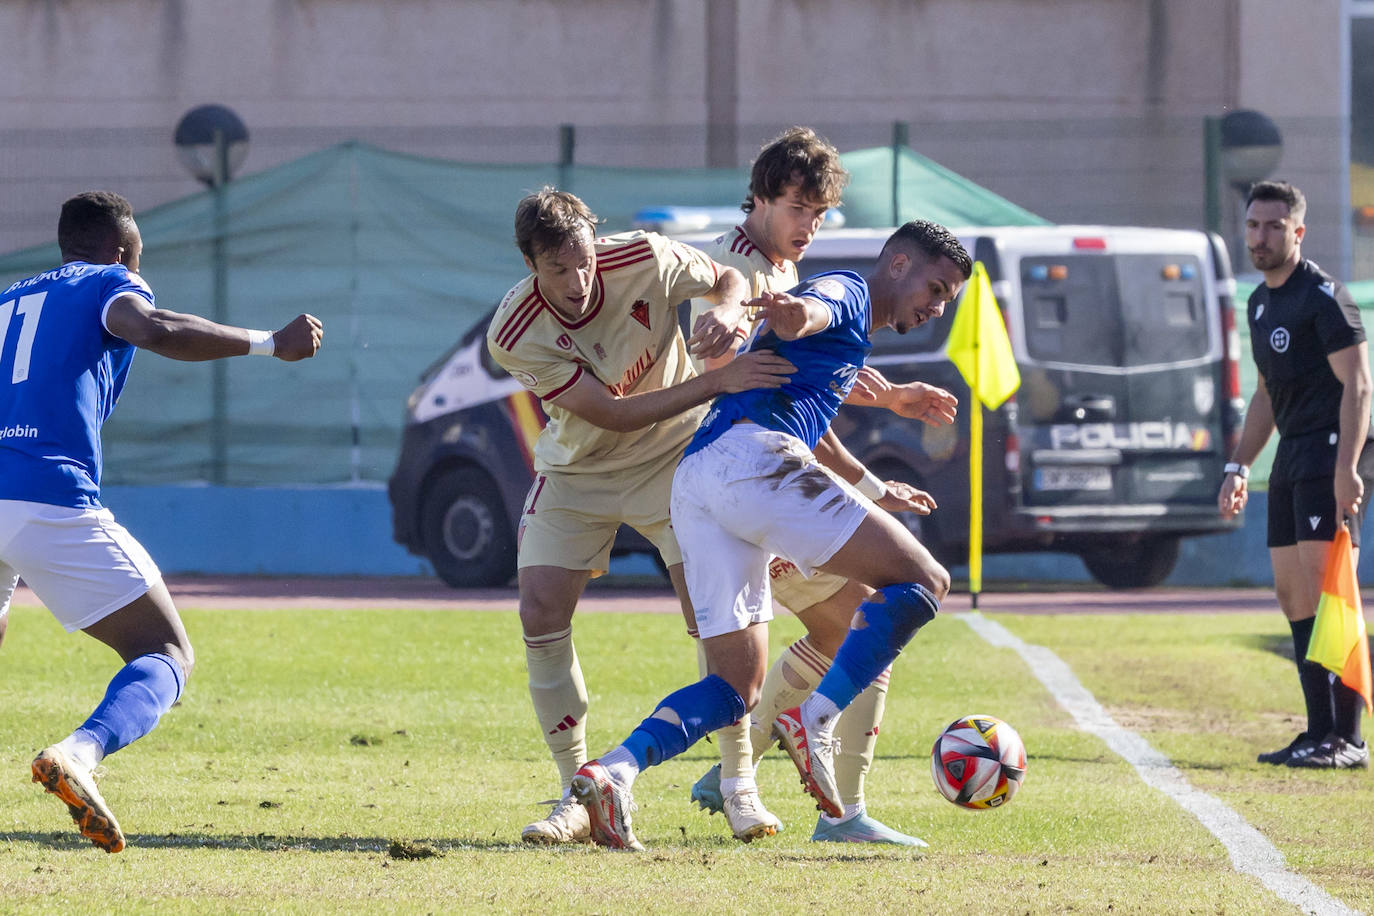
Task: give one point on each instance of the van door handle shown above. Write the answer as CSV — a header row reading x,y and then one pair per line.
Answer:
x,y
1083,404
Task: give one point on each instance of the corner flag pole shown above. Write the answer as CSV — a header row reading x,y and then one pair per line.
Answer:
x,y
975,478
989,386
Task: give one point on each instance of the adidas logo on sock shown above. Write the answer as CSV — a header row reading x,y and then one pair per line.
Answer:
x,y
567,723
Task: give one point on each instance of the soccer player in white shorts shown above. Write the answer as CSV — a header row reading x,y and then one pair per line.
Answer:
x,y
794,180
749,487
67,338
593,332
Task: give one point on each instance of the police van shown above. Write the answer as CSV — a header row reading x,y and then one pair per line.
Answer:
x,y
1111,450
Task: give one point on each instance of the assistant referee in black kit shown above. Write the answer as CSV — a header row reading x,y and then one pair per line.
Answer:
x,y
1314,387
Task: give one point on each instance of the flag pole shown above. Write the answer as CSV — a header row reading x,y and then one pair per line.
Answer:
x,y
975,478
989,386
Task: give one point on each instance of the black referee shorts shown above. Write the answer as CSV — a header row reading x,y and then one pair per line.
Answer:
x,y
1305,510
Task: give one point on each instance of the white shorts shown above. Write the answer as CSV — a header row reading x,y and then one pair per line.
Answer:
x,y
748,496
81,563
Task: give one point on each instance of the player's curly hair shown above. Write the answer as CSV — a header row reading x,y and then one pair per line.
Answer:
x,y
934,241
546,219
1281,191
799,154
92,222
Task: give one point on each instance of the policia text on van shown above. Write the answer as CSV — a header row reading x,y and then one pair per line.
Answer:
x,y
1111,449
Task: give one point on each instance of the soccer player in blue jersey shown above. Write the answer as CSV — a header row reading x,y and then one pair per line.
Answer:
x,y
749,487
67,338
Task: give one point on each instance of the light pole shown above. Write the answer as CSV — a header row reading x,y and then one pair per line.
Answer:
x,y
1240,148
212,142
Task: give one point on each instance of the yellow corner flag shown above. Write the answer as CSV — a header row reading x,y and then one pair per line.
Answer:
x,y
1339,643
979,345
981,350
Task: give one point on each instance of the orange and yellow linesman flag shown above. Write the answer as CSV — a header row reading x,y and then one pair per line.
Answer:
x,y
981,350
1339,643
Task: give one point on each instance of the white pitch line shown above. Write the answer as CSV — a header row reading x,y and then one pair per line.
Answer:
x,y
1250,852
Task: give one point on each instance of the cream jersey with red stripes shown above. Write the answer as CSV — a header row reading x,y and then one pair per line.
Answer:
x,y
628,339
735,249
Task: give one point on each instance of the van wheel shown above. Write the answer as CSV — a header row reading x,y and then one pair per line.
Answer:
x,y
467,534
1140,565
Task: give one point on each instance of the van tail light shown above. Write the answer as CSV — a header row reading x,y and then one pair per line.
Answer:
x,y
1232,402
1231,341
1012,449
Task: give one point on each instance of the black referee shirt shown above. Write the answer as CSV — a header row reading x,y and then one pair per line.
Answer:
x,y
1292,329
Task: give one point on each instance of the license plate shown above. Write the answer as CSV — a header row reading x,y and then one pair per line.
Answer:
x,y
1073,478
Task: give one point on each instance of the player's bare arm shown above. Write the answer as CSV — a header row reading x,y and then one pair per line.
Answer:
x,y
1258,427
192,338
719,330
831,452
591,400
914,400
897,496
1351,366
791,317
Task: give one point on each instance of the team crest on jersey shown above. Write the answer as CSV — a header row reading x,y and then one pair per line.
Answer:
x,y
1279,340
828,287
565,342
640,312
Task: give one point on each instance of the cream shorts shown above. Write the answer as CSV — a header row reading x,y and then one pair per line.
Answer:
x,y
570,520
81,563
795,591
749,496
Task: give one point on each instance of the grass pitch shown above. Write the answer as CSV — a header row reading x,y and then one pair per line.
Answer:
x,y
385,761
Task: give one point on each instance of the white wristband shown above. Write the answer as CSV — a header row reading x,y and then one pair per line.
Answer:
x,y
869,485
261,343
1240,470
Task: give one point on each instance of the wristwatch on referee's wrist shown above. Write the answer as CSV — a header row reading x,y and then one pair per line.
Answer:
x,y
1240,470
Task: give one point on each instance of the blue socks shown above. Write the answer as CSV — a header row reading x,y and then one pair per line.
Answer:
x,y
893,616
703,707
140,693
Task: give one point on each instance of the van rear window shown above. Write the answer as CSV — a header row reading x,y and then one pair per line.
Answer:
x,y
1114,310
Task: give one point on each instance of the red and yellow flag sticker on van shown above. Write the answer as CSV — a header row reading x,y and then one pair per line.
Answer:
x,y
527,420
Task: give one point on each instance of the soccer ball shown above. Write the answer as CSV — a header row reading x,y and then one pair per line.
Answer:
x,y
978,762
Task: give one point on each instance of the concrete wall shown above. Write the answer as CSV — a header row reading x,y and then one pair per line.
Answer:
x,y
1294,69
1082,110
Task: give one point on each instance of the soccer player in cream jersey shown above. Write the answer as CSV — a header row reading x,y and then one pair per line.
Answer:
x,y
593,332
795,178
67,339
749,488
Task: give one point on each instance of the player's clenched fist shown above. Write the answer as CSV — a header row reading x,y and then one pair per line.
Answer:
x,y
300,339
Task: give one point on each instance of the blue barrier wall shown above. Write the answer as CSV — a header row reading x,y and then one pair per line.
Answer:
x,y
326,531
347,531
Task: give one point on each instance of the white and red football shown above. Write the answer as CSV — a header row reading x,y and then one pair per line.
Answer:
x,y
978,762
